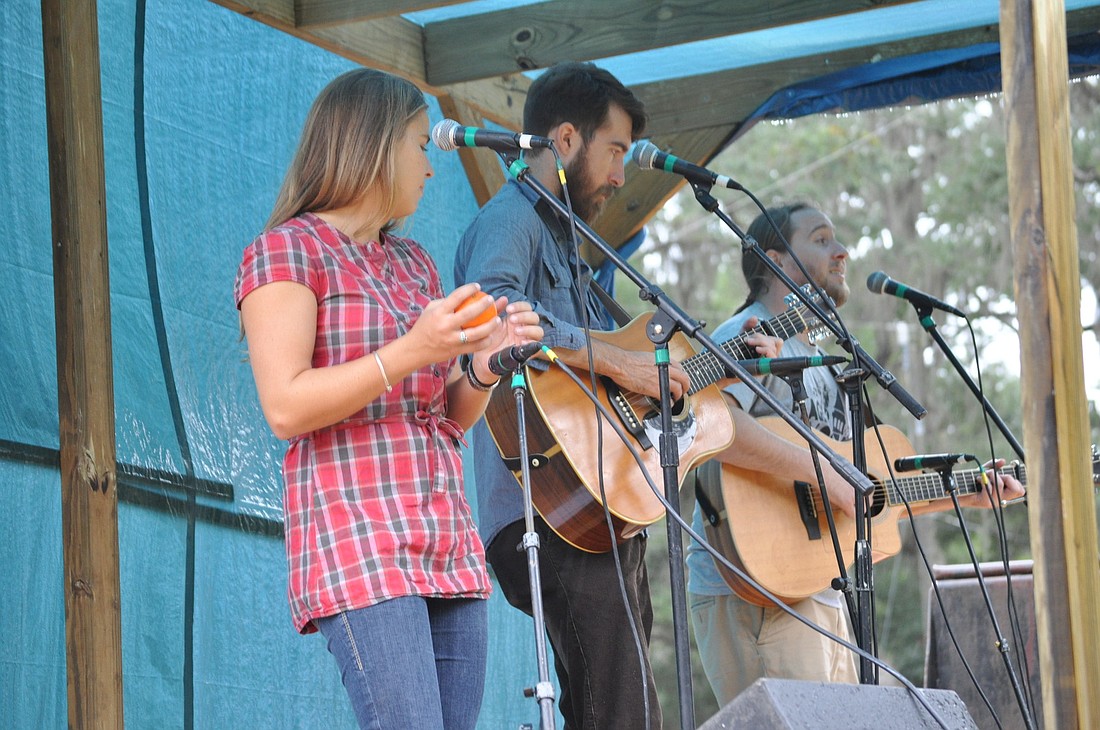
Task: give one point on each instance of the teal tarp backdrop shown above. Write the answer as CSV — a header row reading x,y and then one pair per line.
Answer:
x,y
201,108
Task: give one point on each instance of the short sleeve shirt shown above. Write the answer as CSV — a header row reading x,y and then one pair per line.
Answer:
x,y
827,412
374,505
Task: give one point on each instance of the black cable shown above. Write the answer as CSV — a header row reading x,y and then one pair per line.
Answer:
x,y
586,324
1026,701
157,312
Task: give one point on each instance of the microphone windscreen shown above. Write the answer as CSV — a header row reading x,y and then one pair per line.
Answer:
x,y
876,282
443,135
644,153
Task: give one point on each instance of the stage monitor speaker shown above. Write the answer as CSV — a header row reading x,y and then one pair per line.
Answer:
x,y
965,607
786,704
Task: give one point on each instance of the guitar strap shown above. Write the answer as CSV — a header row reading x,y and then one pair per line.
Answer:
x,y
699,478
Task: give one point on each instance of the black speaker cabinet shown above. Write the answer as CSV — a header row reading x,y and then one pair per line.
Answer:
x,y
969,617
779,704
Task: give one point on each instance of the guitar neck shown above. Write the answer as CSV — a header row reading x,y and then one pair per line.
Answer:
x,y
929,486
704,369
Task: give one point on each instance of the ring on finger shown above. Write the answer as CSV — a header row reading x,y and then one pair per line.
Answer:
x,y
462,337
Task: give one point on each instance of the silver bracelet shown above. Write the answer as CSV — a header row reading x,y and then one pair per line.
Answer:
x,y
472,379
382,370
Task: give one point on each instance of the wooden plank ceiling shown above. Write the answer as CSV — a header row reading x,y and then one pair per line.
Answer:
x,y
473,62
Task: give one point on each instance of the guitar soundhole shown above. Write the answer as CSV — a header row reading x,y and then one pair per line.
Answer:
x,y
878,498
679,408
684,425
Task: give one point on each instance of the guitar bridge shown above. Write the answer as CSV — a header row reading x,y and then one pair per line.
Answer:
x,y
631,421
807,511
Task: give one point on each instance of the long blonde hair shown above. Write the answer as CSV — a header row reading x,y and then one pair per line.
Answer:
x,y
347,145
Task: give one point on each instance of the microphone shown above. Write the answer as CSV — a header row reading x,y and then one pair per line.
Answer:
x,y
449,135
510,359
649,157
930,461
784,365
880,283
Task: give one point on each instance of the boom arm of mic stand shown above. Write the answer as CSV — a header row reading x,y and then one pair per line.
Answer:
x,y
853,476
924,313
749,245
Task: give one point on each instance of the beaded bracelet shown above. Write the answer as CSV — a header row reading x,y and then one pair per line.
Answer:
x,y
472,379
382,370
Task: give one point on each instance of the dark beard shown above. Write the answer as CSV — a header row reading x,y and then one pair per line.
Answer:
x,y
584,195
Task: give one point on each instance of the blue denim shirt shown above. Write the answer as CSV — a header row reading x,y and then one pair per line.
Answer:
x,y
510,251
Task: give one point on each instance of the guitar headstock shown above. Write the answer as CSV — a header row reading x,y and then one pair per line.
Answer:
x,y
815,329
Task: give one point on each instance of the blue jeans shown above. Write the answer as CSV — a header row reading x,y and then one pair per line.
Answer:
x,y
412,662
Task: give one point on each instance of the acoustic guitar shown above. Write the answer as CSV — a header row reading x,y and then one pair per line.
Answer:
x,y
776,532
564,438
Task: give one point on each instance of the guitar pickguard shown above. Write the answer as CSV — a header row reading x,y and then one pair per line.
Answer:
x,y
684,425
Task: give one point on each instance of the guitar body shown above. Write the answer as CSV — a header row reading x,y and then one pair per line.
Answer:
x,y
769,529
563,441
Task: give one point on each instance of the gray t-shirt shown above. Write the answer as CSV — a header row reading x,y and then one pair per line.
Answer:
x,y
828,414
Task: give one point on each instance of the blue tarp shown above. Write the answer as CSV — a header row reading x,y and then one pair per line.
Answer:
x,y
201,110
915,79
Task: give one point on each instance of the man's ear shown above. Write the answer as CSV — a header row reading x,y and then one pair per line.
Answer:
x,y
775,255
566,138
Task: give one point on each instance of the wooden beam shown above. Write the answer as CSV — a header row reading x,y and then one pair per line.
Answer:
x,y
1061,506
538,36
85,387
500,99
391,44
397,45
319,13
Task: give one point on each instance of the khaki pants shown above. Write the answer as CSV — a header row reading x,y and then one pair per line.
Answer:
x,y
740,643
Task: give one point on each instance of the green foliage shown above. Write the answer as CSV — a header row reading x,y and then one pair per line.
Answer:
x,y
920,193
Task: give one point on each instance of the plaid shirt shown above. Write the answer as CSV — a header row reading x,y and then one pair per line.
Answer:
x,y
374,505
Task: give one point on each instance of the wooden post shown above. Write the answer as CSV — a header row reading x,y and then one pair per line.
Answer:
x,y
85,391
1048,296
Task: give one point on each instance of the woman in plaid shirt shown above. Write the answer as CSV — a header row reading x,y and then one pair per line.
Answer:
x,y
355,351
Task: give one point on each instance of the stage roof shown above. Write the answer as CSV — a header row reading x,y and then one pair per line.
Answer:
x,y
707,70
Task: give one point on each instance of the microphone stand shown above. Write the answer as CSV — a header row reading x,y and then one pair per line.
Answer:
x,y
544,690
842,583
862,365
666,321
852,380
924,314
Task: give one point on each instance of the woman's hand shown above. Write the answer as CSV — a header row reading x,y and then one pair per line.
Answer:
x,y
444,331
521,326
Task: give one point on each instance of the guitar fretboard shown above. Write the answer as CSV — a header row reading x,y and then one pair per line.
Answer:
x,y
928,486
704,368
